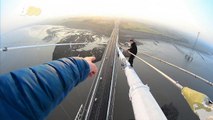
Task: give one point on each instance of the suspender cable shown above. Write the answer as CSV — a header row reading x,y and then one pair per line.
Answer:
x,y
145,107
200,103
186,71
163,74
42,45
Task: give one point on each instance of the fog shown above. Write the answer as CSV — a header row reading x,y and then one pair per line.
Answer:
x,y
186,15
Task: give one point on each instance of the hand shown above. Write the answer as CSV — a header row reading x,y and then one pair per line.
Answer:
x,y
93,67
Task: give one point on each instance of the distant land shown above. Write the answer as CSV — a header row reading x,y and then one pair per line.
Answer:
x,y
133,29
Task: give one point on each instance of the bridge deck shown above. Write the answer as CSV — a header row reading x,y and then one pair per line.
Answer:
x,y
97,106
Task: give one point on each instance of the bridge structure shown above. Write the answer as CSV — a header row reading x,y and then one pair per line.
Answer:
x,y
100,101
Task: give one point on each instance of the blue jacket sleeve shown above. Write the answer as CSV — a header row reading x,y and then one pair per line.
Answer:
x,y
31,93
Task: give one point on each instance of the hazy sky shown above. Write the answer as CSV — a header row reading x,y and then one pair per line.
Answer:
x,y
188,15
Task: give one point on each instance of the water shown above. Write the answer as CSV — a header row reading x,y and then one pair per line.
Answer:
x,y
166,94
16,59
48,34
28,57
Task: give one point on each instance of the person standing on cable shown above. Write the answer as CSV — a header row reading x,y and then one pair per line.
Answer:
x,y
133,49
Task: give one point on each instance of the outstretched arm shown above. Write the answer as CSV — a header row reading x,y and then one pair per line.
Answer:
x,y
31,93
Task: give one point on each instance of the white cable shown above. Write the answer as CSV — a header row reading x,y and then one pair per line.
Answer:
x,y
186,71
42,45
162,73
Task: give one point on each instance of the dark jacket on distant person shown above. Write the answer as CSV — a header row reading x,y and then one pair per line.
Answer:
x,y
31,93
133,48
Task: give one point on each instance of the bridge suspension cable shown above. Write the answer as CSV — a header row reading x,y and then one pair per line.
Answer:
x,y
163,74
184,70
200,103
145,107
41,45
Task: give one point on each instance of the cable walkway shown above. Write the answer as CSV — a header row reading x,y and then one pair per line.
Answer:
x,y
193,97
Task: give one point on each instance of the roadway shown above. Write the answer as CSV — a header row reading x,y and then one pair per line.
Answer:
x,y
99,104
